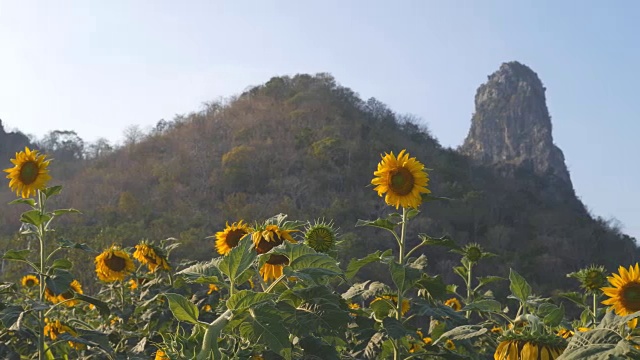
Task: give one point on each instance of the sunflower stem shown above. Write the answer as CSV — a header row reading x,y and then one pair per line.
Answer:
x,y
468,313
401,259
41,230
276,282
595,308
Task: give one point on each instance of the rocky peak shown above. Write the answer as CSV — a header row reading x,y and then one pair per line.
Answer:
x,y
511,124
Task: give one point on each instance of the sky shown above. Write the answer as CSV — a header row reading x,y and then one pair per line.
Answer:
x,y
98,67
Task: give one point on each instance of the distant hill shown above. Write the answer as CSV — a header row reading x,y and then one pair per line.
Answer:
x,y
306,146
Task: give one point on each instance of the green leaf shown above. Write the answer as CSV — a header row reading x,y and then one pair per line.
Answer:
x,y
575,297
394,328
264,325
403,276
20,255
355,265
319,311
68,244
182,309
60,281
484,280
239,259
519,287
206,271
102,307
554,317
318,263
462,333
34,217
29,202
433,285
412,213
50,191
484,305
445,241
65,211
315,348
10,315
379,223
245,299
62,264
89,337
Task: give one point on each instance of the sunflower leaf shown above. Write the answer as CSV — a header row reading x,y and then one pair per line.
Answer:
x,y
60,281
182,309
65,211
19,255
462,332
355,265
29,202
53,190
245,299
404,276
102,307
519,287
66,243
433,285
239,259
445,241
34,217
264,325
318,311
62,264
484,305
318,263
554,317
394,328
379,223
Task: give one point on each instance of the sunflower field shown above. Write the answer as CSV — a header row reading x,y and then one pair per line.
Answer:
x,y
277,292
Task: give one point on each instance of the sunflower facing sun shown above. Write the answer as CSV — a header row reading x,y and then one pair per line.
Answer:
x,y
113,264
265,240
229,238
29,174
624,295
29,281
402,178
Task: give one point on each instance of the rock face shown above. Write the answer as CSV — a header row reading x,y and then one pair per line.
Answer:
x,y
512,126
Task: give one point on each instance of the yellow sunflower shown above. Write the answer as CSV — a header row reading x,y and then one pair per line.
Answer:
x,y
113,264
212,288
264,241
30,281
454,303
160,355
29,174
151,256
229,238
74,287
403,179
54,328
624,296
49,295
449,345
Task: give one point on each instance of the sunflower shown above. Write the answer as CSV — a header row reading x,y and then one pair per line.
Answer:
x,y
212,288
624,296
264,241
449,345
152,256
29,174
160,355
54,328
321,236
454,304
74,287
30,281
592,278
406,305
516,346
403,179
229,238
49,295
354,306
565,333
113,264
133,284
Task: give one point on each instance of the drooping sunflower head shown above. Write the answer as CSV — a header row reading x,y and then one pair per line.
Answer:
x,y
29,173
321,235
30,281
160,355
74,287
592,278
229,238
113,264
266,236
402,178
151,256
454,303
53,329
624,295
529,346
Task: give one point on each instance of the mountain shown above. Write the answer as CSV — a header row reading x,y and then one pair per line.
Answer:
x,y
307,146
511,124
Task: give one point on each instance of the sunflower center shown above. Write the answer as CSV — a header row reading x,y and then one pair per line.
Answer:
x,y
29,172
278,260
30,282
234,236
264,245
402,181
320,239
631,297
115,263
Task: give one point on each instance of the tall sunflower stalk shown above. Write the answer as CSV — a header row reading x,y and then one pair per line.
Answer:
x,y
402,180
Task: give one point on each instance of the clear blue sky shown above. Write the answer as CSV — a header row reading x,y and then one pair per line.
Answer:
x,y
97,67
